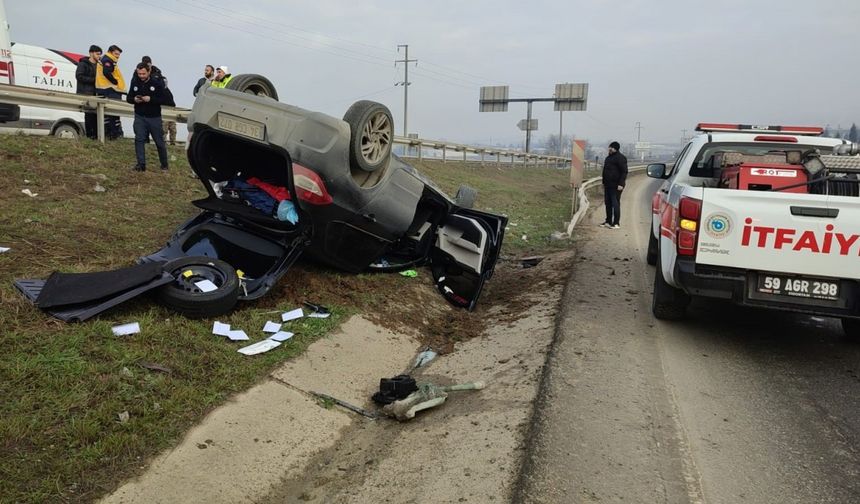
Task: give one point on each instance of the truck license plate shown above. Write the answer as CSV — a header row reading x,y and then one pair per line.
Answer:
x,y
797,286
244,127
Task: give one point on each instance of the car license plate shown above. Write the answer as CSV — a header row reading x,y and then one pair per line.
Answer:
x,y
244,127
798,286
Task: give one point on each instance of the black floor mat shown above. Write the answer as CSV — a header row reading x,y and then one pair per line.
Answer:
x,y
62,289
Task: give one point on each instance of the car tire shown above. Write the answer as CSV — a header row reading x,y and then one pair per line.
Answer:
x,y
183,296
851,328
66,131
667,303
253,84
466,196
651,256
371,135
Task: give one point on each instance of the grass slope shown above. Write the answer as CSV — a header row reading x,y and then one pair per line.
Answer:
x,y
65,385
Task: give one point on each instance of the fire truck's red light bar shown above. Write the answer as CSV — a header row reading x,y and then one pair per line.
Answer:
x,y
775,138
752,128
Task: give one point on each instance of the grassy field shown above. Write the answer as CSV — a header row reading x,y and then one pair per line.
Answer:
x,y
64,386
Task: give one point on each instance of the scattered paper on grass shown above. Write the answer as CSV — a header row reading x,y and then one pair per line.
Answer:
x,y
237,335
126,329
29,193
281,336
271,327
206,285
123,417
292,315
221,329
260,347
319,315
4,249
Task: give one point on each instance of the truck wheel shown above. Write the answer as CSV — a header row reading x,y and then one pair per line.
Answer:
x,y
466,196
651,256
668,303
851,328
66,131
253,84
371,135
184,296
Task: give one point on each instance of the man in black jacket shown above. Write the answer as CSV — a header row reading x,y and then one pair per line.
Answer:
x,y
148,95
208,75
614,179
85,75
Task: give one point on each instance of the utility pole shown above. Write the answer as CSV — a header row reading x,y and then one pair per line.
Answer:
x,y
683,136
638,129
405,82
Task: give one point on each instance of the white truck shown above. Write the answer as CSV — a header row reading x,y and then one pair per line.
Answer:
x,y
42,68
764,216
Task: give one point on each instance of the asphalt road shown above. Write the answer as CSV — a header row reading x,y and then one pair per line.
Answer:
x,y
730,405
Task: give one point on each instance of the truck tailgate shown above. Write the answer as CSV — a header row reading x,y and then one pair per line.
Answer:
x,y
803,234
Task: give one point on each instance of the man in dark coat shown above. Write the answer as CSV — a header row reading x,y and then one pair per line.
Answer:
x,y
614,179
148,95
208,75
85,75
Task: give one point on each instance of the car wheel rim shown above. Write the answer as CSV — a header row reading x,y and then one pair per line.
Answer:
x,y
199,272
376,138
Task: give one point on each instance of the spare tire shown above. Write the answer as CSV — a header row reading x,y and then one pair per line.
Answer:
x,y
186,297
371,135
466,196
253,84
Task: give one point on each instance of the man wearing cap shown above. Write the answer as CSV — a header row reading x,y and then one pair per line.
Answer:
x,y
222,77
85,75
614,178
148,95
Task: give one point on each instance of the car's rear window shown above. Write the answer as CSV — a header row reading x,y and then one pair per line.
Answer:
x,y
715,156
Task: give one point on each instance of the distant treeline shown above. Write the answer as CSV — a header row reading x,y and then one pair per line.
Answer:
x,y
851,134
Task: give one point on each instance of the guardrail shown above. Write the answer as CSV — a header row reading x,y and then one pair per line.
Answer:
x,y
581,199
32,97
420,144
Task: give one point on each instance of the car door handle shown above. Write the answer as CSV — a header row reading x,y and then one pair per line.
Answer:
x,y
828,213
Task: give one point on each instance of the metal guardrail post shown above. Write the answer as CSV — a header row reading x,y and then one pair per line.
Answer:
x,y
482,158
100,121
444,154
464,155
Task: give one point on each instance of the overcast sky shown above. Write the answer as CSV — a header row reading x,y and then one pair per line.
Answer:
x,y
666,64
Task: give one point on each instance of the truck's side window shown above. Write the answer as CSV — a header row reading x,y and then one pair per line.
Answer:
x,y
680,159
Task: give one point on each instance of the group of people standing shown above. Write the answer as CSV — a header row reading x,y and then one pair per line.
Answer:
x,y
99,74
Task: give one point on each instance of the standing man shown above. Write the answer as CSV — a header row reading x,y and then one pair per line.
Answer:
x,y
85,75
156,74
222,77
111,84
614,179
208,75
148,95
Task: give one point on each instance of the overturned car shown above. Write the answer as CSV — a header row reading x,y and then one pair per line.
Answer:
x,y
338,194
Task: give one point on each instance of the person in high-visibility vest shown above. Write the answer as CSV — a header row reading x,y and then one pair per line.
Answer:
x,y
111,84
222,77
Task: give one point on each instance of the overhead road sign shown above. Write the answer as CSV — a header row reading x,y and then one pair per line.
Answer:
x,y
494,99
571,97
528,124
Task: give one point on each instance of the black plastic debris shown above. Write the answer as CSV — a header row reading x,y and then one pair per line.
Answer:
x,y
394,389
315,308
532,261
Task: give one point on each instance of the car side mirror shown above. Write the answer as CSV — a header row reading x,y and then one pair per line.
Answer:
x,y
656,170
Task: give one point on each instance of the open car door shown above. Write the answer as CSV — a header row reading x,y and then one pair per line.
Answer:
x,y
465,254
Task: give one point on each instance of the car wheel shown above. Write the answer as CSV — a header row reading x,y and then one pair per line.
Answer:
x,y
667,303
651,256
466,196
253,84
851,328
185,297
371,135
66,131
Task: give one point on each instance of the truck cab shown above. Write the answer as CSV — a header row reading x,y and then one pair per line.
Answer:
x,y
764,216
9,112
